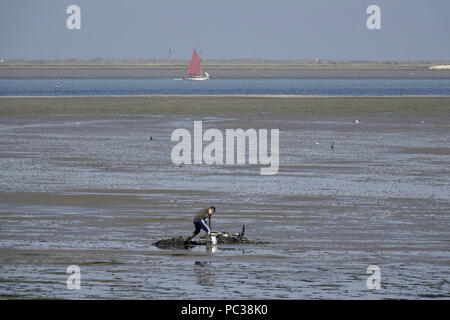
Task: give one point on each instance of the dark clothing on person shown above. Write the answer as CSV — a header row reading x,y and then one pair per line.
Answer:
x,y
200,223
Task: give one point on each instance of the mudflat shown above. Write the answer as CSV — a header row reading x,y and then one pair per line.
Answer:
x,y
89,181
224,104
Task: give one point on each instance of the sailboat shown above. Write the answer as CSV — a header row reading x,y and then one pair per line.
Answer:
x,y
194,70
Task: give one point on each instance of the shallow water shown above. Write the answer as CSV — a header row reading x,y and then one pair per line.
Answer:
x,y
95,191
356,87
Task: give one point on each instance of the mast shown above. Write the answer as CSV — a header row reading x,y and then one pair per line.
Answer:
x,y
200,58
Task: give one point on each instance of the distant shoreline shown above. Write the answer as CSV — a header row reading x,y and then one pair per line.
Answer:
x,y
230,69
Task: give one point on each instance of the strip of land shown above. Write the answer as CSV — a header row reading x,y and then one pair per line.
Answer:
x,y
224,104
220,69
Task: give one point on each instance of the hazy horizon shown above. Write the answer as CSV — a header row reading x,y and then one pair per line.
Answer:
x,y
233,30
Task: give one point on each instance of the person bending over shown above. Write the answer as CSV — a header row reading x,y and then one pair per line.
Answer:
x,y
200,222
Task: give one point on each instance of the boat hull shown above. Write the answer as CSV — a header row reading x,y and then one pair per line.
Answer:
x,y
198,78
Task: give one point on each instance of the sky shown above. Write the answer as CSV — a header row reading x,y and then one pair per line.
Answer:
x,y
226,29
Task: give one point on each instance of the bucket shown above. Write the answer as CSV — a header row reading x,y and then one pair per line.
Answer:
x,y
211,239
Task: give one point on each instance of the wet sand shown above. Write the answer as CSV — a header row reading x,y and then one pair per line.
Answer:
x,y
81,183
224,104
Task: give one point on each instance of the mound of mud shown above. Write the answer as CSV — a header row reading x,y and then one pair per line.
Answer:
x,y
221,237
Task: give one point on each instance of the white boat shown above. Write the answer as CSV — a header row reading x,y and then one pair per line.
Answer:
x,y
194,70
197,78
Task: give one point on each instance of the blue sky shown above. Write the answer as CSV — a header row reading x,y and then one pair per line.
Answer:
x,y
245,29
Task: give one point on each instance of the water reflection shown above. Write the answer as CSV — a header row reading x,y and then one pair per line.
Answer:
x,y
211,249
205,273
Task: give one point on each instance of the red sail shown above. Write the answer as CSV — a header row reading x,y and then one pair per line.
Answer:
x,y
194,66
